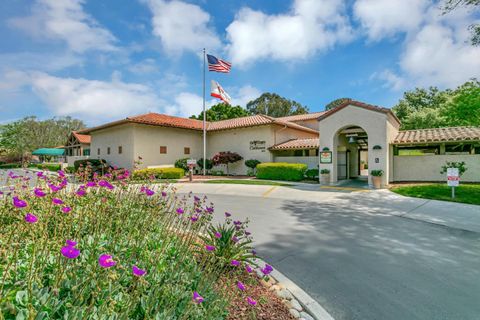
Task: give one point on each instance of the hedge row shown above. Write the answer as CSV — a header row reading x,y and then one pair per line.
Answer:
x,y
281,171
159,173
48,166
10,165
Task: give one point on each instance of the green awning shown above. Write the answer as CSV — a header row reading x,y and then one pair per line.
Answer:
x,y
49,152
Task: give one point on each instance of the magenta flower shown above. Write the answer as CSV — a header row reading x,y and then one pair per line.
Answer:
x,y
40,174
241,286
69,251
210,248
17,202
209,209
247,233
30,218
228,214
218,235
267,269
137,271
66,209
149,192
53,187
234,239
61,173
194,218
237,223
180,211
57,201
91,184
196,199
197,298
106,261
105,184
71,243
39,193
251,301
164,194
80,192
249,269
235,263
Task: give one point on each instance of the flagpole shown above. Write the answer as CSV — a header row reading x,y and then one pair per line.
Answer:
x,y
204,120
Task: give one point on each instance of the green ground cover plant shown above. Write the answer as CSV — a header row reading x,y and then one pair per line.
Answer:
x,y
465,193
108,249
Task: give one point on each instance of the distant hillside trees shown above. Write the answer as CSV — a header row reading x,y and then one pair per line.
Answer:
x,y
271,104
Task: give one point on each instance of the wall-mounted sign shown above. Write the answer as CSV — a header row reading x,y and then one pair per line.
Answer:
x,y
326,157
257,145
191,162
377,160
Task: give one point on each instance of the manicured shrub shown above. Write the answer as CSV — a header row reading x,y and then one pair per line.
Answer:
x,y
182,163
49,166
312,174
217,173
208,164
10,166
376,173
281,171
159,173
324,171
89,166
252,163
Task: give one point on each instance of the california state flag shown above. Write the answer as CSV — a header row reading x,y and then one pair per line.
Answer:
x,y
218,92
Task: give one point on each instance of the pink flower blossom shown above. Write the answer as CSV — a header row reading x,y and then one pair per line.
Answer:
x,y
267,269
218,235
61,173
66,209
138,272
57,201
235,263
106,261
149,192
228,214
80,192
180,211
241,286
71,243
30,218
249,269
39,193
210,248
69,251
197,298
17,202
251,301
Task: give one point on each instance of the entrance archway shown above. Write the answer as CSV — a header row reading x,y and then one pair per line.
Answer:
x,y
352,153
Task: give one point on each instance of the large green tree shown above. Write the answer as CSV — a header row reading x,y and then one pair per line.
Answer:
x,y
433,108
23,136
337,102
222,111
474,28
271,104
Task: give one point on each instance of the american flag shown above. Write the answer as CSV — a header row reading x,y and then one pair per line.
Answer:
x,y
218,65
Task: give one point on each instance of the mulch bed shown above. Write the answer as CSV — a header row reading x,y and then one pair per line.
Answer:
x,y
269,306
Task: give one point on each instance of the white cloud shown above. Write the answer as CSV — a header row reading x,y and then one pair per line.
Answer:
x,y
436,53
182,26
144,67
92,99
382,19
186,104
311,26
241,96
68,22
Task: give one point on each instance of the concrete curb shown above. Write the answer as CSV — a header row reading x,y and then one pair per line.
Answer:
x,y
312,307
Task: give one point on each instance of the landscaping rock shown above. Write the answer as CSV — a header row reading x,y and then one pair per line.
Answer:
x,y
274,288
285,294
294,313
295,304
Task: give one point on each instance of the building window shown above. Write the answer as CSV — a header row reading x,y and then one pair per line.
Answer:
x,y
458,148
417,151
86,152
120,150
98,151
163,150
186,150
108,150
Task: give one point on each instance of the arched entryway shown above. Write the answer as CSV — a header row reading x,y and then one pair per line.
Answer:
x,y
352,153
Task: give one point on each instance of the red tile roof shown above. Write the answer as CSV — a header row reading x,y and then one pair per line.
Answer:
x,y
177,122
438,135
167,121
293,144
82,138
359,104
303,117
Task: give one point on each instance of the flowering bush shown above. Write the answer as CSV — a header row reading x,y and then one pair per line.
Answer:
x,y
106,248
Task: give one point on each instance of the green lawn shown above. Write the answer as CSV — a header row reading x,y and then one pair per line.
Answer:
x,y
466,193
255,182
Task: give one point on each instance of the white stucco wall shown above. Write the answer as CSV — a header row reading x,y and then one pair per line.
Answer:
x,y
282,134
373,122
427,168
148,140
311,162
312,123
122,135
238,140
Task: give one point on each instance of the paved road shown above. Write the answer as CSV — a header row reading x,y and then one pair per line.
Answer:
x,y
362,257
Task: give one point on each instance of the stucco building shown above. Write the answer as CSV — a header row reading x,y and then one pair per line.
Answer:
x,y
356,138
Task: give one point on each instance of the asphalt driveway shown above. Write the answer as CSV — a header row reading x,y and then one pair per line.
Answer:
x,y
362,256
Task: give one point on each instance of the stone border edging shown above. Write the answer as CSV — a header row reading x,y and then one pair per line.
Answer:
x,y
312,309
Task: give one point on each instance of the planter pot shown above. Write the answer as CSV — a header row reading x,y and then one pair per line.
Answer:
x,y
377,182
325,178
362,166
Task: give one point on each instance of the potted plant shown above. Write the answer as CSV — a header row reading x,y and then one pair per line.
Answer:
x,y
362,165
325,176
377,178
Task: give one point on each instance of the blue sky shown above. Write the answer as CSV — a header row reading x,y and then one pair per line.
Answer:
x,y
105,60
